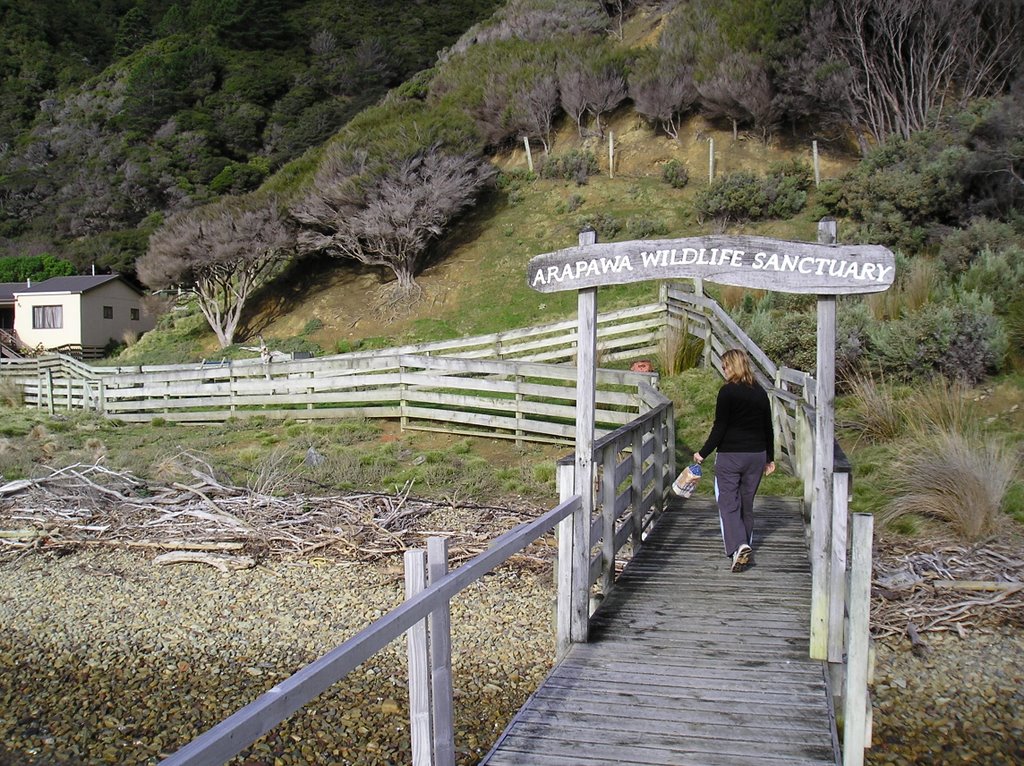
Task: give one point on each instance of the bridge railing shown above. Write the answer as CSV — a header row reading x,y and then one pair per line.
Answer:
x,y
637,468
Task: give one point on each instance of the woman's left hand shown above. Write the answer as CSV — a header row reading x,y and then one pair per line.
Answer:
x,y
769,469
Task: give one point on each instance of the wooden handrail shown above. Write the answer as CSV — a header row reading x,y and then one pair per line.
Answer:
x,y
236,732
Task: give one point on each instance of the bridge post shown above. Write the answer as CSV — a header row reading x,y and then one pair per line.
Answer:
x,y
439,627
586,400
420,731
824,455
856,702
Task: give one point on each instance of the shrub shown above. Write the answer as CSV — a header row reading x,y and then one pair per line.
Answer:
x,y
675,174
960,247
998,275
639,227
791,339
606,226
743,196
576,165
963,340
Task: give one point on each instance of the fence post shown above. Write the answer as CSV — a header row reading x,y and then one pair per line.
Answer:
x,y
420,731
611,154
855,707
817,168
49,391
439,628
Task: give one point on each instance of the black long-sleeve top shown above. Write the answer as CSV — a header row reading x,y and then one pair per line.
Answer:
x,y
743,421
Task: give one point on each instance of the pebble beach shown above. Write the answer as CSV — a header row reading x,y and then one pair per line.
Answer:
x,y
106,658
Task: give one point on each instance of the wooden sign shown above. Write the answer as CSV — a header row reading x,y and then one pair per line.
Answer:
x,y
743,261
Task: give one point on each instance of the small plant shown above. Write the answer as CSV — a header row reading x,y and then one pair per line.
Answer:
x,y
572,204
640,227
10,393
675,174
605,225
312,326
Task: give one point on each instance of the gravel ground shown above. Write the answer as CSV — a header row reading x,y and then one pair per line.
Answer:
x,y
106,658
959,702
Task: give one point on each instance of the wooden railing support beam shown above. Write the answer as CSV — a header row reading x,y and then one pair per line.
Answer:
x,y
856,700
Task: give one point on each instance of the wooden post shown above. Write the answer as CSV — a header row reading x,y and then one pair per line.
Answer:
x,y
420,731
440,632
855,707
817,169
564,567
529,155
711,160
637,489
837,567
824,456
669,460
608,518
101,397
611,154
586,398
49,391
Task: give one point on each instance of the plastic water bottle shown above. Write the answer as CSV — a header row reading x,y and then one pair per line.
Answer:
x,y
686,482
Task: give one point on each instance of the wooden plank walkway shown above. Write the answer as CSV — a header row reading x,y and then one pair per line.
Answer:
x,y
689,664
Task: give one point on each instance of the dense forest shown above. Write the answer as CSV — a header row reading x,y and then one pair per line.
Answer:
x,y
207,143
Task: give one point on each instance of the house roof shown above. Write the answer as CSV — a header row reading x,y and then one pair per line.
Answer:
x,y
69,284
7,290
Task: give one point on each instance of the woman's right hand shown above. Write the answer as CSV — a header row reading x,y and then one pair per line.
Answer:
x,y
697,458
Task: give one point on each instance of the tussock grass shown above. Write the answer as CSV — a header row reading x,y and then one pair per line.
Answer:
x,y
958,478
678,350
940,406
873,410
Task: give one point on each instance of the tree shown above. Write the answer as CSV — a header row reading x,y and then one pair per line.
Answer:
x,y
591,81
225,251
387,219
662,90
910,58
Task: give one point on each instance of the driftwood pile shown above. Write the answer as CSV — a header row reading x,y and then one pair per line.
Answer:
x,y
945,587
211,521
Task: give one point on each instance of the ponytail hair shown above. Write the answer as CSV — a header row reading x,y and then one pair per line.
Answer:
x,y
738,364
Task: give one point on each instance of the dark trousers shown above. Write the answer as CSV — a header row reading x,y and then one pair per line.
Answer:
x,y
737,477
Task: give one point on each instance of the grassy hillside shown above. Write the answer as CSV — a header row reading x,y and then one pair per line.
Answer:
x,y
325,301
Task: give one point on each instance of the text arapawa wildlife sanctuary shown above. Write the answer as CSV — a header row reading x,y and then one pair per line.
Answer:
x,y
757,262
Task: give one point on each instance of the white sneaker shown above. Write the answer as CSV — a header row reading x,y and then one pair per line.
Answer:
x,y
741,558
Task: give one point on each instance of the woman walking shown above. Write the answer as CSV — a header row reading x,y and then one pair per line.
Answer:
x,y
742,433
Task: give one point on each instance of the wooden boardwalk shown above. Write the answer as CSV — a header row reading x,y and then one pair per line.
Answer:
x,y
689,664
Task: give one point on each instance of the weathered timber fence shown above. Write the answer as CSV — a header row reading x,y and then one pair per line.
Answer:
x,y
633,491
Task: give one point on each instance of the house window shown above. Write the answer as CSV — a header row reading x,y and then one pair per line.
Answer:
x,y
47,317
134,315
108,312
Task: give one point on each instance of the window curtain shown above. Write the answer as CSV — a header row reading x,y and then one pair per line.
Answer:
x,y
47,317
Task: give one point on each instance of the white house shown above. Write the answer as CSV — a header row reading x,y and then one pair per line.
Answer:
x,y
78,315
